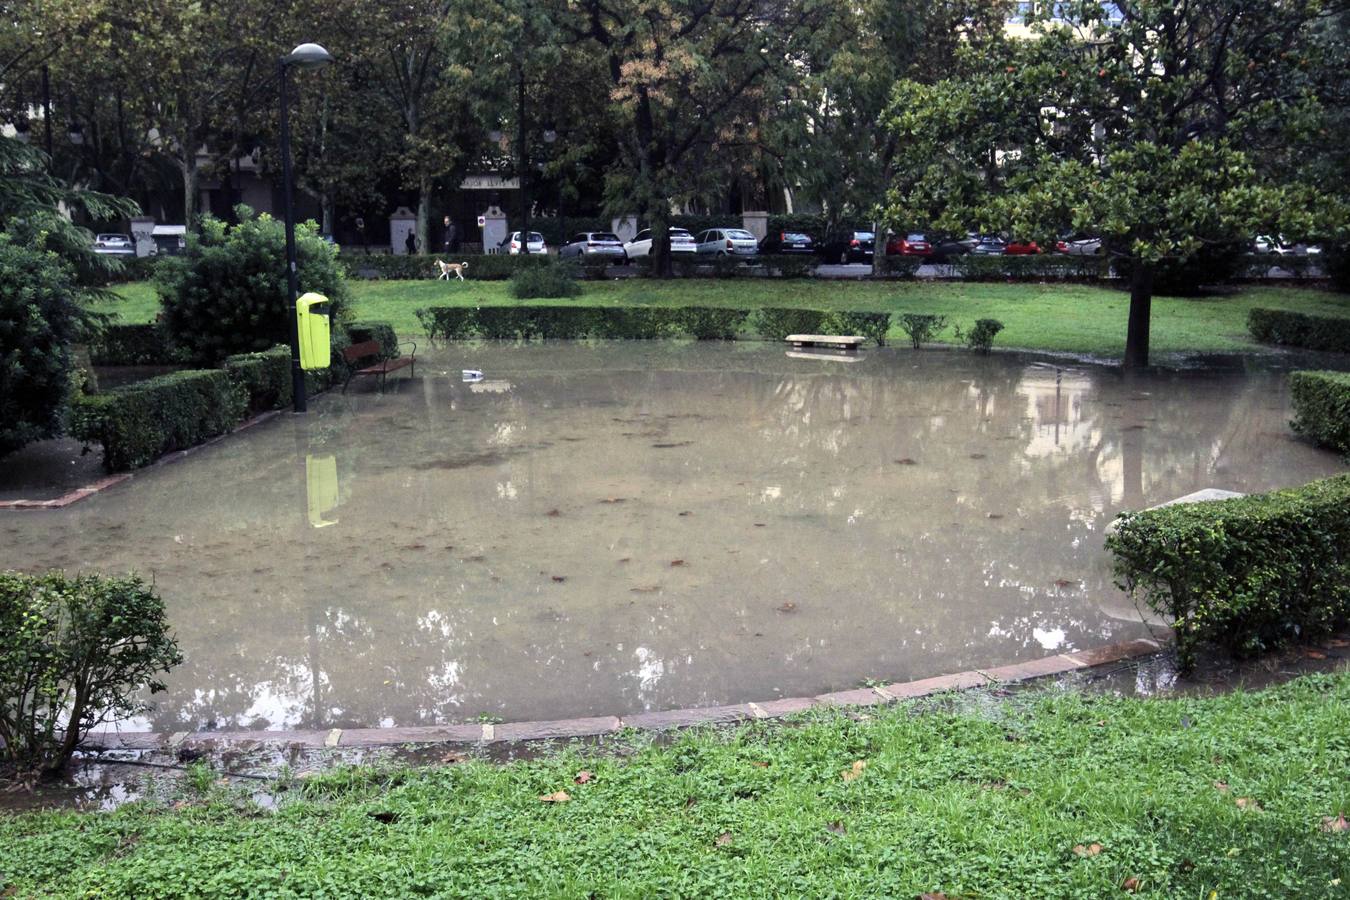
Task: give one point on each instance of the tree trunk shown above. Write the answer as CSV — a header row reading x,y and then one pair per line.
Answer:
x,y
190,180
423,214
658,220
1141,304
326,207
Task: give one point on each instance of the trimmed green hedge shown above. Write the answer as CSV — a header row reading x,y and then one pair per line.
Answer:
x,y
265,377
1248,574
1296,329
641,322
1039,267
383,332
1322,407
131,345
139,422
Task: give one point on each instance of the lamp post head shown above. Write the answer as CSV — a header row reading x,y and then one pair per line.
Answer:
x,y
307,56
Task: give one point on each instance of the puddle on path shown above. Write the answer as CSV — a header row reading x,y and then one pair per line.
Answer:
x,y
610,528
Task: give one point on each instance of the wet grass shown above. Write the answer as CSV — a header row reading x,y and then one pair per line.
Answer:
x,y
1046,794
1071,318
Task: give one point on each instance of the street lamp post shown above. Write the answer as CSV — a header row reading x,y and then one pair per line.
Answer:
x,y
305,56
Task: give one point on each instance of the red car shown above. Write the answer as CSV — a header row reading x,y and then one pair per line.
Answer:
x,y
909,245
1021,248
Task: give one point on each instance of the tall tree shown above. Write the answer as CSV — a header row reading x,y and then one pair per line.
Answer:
x,y
1137,120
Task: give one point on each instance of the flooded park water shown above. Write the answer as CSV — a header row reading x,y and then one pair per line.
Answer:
x,y
610,528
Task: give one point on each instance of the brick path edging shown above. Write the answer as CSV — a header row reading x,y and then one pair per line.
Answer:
x,y
597,726
103,484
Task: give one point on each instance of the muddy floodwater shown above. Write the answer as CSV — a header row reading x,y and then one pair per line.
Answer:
x,y
610,528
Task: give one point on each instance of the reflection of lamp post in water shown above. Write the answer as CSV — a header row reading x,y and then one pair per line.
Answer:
x,y
305,56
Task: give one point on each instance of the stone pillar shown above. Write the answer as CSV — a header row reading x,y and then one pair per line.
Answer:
x,y
402,223
493,225
142,235
625,227
757,223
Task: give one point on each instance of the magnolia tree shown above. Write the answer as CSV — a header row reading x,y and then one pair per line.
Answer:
x,y
1140,122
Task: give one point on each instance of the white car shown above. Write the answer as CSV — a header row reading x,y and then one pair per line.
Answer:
x,y
114,245
1085,246
681,241
1276,244
726,242
512,244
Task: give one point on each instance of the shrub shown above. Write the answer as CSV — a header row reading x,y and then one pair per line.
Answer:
x,y
1212,264
900,266
1322,407
548,281
383,332
1041,267
228,293
1295,329
775,323
981,337
264,377
922,327
139,422
40,317
787,265
707,323
1336,263
1248,574
873,325
447,323
131,345
74,653
641,323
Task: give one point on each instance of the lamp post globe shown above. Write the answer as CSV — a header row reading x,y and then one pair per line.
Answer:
x,y
307,56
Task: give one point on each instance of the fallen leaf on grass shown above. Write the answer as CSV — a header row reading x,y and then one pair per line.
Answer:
x,y
1335,824
854,771
1130,885
453,758
723,839
1221,787
836,828
1314,654
933,895
786,607
1248,803
758,764
583,777
555,797
1089,850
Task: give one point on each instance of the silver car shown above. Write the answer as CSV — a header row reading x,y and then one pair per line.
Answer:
x,y
681,241
595,245
512,244
114,245
726,242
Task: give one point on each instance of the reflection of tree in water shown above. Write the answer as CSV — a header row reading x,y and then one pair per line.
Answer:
x,y
432,598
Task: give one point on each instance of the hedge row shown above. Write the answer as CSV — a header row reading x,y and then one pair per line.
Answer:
x,y
1322,407
139,422
1248,574
131,345
265,377
641,322
1041,267
1295,329
382,332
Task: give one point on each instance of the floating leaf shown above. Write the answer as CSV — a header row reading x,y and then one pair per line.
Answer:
x,y
555,797
906,462
786,607
977,456
1064,582
686,513
854,770
583,777
553,513
560,578
676,563
645,589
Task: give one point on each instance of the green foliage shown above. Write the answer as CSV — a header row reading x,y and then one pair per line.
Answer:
x,y
383,332
228,293
448,323
873,325
1336,260
707,323
139,422
774,323
922,327
40,317
1039,267
140,344
1322,407
786,265
493,267
1187,277
981,337
1249,574
265,377
549,281
74,652
1296,329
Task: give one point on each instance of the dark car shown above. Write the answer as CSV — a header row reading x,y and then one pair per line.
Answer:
x,y
788,242
913,244
849,247
989,245
949,246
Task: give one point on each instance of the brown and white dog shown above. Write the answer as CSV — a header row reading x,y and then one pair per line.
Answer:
x,y
447,268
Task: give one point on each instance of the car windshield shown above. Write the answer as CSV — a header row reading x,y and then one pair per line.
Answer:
x,y
740,235
536,237
795,236
863,235
605,236
915,238
680,233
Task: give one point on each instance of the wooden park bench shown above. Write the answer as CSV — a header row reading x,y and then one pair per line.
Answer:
x,y
354,355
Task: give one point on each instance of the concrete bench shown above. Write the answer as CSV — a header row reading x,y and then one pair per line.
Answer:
x,y
842,341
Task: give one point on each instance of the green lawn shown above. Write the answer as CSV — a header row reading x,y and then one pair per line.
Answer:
x,y
1076,318
1047,794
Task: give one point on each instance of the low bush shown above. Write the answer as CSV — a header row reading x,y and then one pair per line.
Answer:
x,y
708,323
981,337
1040,267
74,652
922,327
382,332
131,345
787,265
1296,329
264,377
775,323
1322,407
139,422
872,325
901,266
548,282
447,323
1248,574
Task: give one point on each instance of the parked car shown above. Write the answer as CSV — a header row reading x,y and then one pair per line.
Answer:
x,y
945,247
681,241
914,244
114,245
989,245
726,242
1278,246
788,242
849,247
512,244
1079,246
1021,248
595,245
169,240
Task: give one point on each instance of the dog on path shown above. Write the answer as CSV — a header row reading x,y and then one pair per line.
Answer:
x,y
446,269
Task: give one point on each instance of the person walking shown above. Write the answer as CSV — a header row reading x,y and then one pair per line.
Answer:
x,y
411,244
451,237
